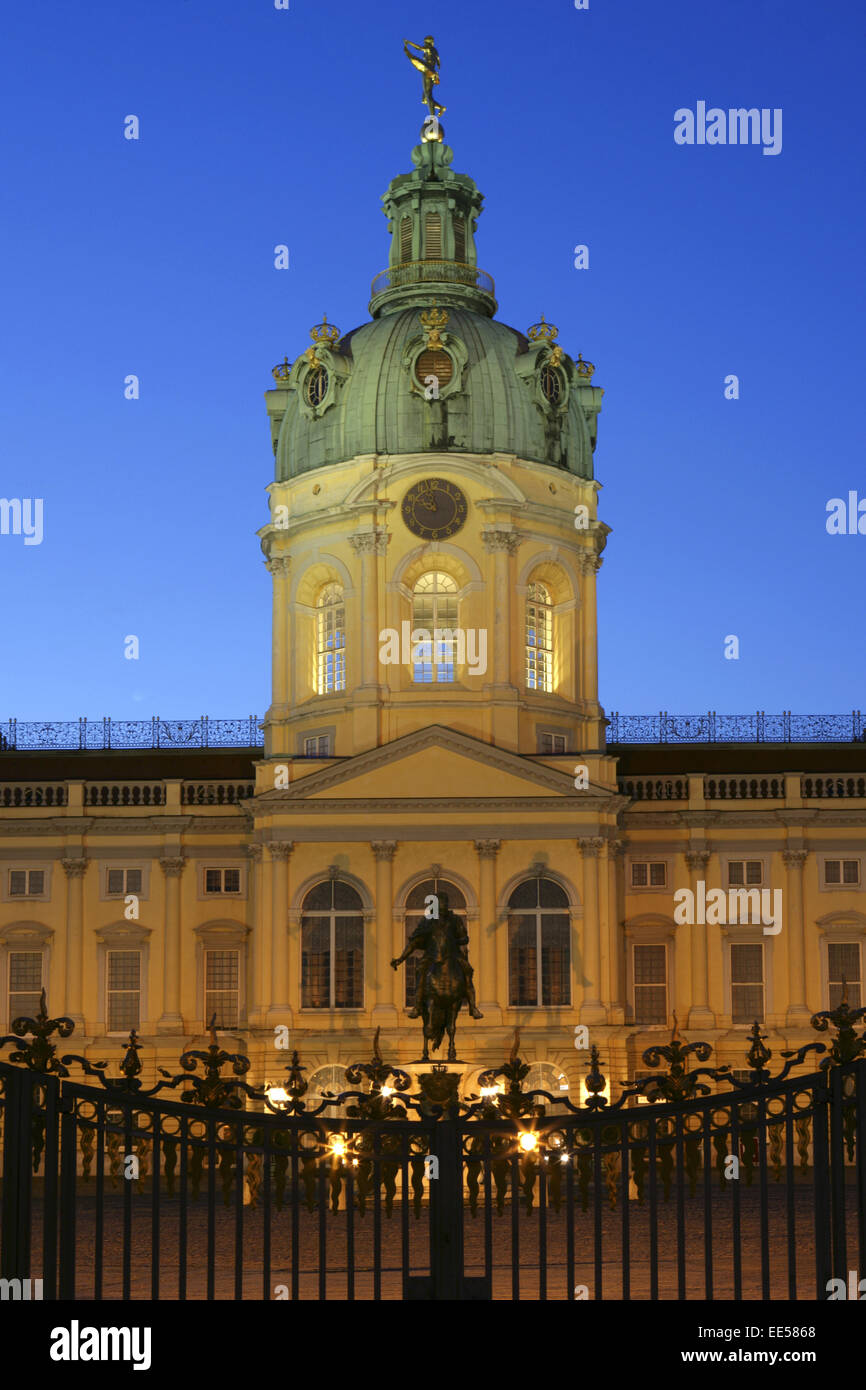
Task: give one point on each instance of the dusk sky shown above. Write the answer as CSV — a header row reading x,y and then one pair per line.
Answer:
x,y
260,126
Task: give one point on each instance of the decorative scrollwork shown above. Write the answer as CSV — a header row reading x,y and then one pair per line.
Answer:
x,y
39,1054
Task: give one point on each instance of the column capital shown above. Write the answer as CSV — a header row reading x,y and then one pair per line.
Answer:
x,y
617,848
499,539
75,868
279,566
254,852
698,858
373,542
487,849
172,865
384,849
280,849
795,858
588,562
590,846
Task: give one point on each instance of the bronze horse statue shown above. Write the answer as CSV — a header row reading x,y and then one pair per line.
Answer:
x,y
444,976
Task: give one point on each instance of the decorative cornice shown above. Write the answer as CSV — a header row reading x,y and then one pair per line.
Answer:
x,y
75,868
172,865
384,849
373,542
487,849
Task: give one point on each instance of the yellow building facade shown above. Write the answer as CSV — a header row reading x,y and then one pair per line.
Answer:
x,y
434,545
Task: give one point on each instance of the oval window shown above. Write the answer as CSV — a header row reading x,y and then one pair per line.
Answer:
x,y
434,362
551,385
316,386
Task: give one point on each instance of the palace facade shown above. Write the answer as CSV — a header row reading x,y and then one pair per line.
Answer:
x,y
434,543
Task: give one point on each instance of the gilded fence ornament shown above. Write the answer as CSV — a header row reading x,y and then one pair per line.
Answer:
x,y
39,1054
213,1091
846,1046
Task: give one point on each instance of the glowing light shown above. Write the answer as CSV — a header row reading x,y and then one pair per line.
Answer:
x,y
387,1091
277,1095
338,1145
528,1142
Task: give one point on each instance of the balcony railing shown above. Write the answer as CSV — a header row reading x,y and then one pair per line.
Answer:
x,y
737,728
98,734
432,272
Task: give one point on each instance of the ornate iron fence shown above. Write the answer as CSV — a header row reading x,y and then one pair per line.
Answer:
x,y
695,1182
132,733
736,728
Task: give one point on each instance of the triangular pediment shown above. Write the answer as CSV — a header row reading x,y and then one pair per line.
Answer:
x,y
433,764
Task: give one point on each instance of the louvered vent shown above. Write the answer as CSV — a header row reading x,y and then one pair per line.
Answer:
x,y
434,362
406,239
433,237
459,239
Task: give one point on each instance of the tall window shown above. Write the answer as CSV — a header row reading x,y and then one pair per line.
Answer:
x,y
434,605
415,914
331,641
539,639
747,984
222,988
124,991
332,947
539,959
650,984
25,984
843,961
406,239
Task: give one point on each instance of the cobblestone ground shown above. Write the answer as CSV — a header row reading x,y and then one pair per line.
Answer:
x,y
310,1230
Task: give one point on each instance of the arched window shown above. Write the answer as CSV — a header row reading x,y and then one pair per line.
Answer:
x,y
330,641
434,610
539,639
539,957
544,1076
332,947
330,1080
415,904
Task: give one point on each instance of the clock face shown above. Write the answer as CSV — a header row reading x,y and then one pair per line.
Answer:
x,y
434,509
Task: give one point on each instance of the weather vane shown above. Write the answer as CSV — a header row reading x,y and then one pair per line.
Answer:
x,y
428,66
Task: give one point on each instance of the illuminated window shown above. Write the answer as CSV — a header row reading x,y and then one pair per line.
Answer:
x,y
843,962
650,984
539,957
747,984
434,606
539,639
222,988
25,984
332,947
124,990
331,641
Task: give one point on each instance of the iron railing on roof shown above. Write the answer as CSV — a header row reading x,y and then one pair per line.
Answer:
x,y
95,734
737,728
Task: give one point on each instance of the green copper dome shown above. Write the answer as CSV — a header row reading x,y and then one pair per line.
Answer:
x,y
433,370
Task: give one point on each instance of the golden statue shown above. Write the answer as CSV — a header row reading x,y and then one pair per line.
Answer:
x,y
428,65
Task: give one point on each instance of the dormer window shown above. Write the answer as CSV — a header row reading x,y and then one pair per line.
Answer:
x,y
316,386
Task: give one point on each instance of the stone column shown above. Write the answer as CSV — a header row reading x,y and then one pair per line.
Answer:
x,y
588,682
502,544
368,545
75,869
256,993
798,1014
381,976
618,993
171,1021
700,1014
486,967
592,1010
280,1004
278,568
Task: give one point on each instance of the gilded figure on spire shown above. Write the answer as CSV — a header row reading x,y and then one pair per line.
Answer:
x,y
428,65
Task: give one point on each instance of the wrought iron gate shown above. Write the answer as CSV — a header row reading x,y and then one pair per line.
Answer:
x,y
694,1183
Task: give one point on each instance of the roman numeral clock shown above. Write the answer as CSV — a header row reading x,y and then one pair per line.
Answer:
x,y
434,509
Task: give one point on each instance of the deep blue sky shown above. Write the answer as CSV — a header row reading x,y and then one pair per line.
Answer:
x,y
261,126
